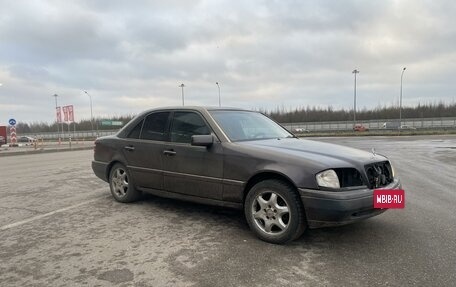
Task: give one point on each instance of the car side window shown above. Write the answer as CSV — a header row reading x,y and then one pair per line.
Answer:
x,y
155,126
187,124
136,131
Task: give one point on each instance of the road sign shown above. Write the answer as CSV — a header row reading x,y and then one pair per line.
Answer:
x,y
12,122
13,136
111,123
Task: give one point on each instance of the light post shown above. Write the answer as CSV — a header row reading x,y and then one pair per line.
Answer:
x,y
91,111
400,101
354,99
220,101
57,121
182,86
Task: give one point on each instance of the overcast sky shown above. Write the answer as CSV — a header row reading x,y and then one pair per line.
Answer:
x,y
133,55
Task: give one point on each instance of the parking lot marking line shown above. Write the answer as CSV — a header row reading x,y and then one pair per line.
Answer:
x,y
19,223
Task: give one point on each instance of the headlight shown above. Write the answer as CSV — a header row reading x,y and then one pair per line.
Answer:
x,y
328,178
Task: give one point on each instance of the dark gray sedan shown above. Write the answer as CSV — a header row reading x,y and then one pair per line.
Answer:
x,y
242,159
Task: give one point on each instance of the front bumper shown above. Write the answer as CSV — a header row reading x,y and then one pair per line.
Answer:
x,y
332,208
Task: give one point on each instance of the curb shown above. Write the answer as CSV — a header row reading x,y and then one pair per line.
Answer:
x,y
40,151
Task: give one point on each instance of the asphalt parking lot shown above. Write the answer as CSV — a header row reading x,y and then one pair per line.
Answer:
x,y
59,226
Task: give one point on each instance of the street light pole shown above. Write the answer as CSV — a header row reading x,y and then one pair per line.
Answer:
x,y
354,99
220,101
91,111
182,86
57,120
400,100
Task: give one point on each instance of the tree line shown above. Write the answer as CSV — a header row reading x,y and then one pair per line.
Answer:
x,y
83,125
317,114
280,114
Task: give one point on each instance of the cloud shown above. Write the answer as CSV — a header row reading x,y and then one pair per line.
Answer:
x,y
133,55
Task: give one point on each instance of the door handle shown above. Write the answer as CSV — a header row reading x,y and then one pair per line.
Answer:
x,y
169,152
129,148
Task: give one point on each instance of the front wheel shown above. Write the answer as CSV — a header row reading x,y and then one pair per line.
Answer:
x,y
122,188
274,212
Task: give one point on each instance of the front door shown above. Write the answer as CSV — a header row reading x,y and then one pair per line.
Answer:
x,y
192,170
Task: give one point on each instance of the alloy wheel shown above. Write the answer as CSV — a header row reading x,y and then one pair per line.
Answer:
x,y
119,182
270,213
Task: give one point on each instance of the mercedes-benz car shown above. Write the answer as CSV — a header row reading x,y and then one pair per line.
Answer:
x,y
242,159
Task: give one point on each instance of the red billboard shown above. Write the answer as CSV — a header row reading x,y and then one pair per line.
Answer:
x,y
65,113
3,134
68,113
58,111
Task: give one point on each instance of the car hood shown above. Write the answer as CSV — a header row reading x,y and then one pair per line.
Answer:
x,y
321,153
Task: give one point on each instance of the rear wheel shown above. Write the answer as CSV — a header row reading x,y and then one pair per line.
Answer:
x,y
122,188
274,212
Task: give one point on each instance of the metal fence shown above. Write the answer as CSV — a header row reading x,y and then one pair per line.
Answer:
x,y
418,123
73,134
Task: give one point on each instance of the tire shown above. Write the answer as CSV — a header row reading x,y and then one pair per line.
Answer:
x,y
274,212
121,184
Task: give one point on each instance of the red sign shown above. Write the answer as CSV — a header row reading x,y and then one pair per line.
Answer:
x,y
65,113
389,198
70,113
13,134
3,134
58,111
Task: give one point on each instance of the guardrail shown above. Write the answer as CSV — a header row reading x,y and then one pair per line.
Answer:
x,y
419,123
72,134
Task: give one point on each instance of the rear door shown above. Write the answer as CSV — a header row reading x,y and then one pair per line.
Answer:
x,y
143,150
192,170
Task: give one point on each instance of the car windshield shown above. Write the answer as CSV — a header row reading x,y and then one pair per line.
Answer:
x,y
246,125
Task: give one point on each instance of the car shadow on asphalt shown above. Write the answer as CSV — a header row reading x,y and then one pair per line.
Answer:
x,y
360,234
363,231
188,209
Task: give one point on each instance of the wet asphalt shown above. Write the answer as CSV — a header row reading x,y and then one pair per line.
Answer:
x,y
59,226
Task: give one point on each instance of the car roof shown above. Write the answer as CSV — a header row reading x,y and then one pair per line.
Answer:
x,y
197,108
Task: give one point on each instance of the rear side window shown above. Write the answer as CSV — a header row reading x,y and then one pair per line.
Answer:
x,y
136,131
187,124
155,126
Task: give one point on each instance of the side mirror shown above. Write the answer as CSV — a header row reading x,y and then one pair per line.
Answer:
x,y
202,140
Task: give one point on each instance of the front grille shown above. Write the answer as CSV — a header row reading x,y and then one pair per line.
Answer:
x,y
379,174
